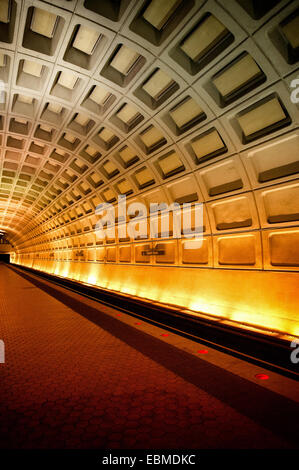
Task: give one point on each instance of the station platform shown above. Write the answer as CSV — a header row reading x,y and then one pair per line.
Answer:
x,y
79,374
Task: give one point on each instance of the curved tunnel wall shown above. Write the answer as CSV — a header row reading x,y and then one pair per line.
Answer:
x,y
134,106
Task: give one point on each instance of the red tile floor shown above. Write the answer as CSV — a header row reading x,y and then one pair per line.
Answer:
x,y
75,377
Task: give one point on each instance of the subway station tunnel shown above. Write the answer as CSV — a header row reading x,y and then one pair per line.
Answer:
x,y
164,339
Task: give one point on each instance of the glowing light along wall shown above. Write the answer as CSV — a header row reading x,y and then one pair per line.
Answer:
x,y
192,102
265,299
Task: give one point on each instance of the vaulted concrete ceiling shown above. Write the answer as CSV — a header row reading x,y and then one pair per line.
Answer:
x,y
174,100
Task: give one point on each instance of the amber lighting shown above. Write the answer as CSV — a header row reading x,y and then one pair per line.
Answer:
x,y
231,297
165,102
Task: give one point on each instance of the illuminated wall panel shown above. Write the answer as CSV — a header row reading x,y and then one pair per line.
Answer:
x,y
238,250
167,253
234,213
284,249
125,254
199,252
